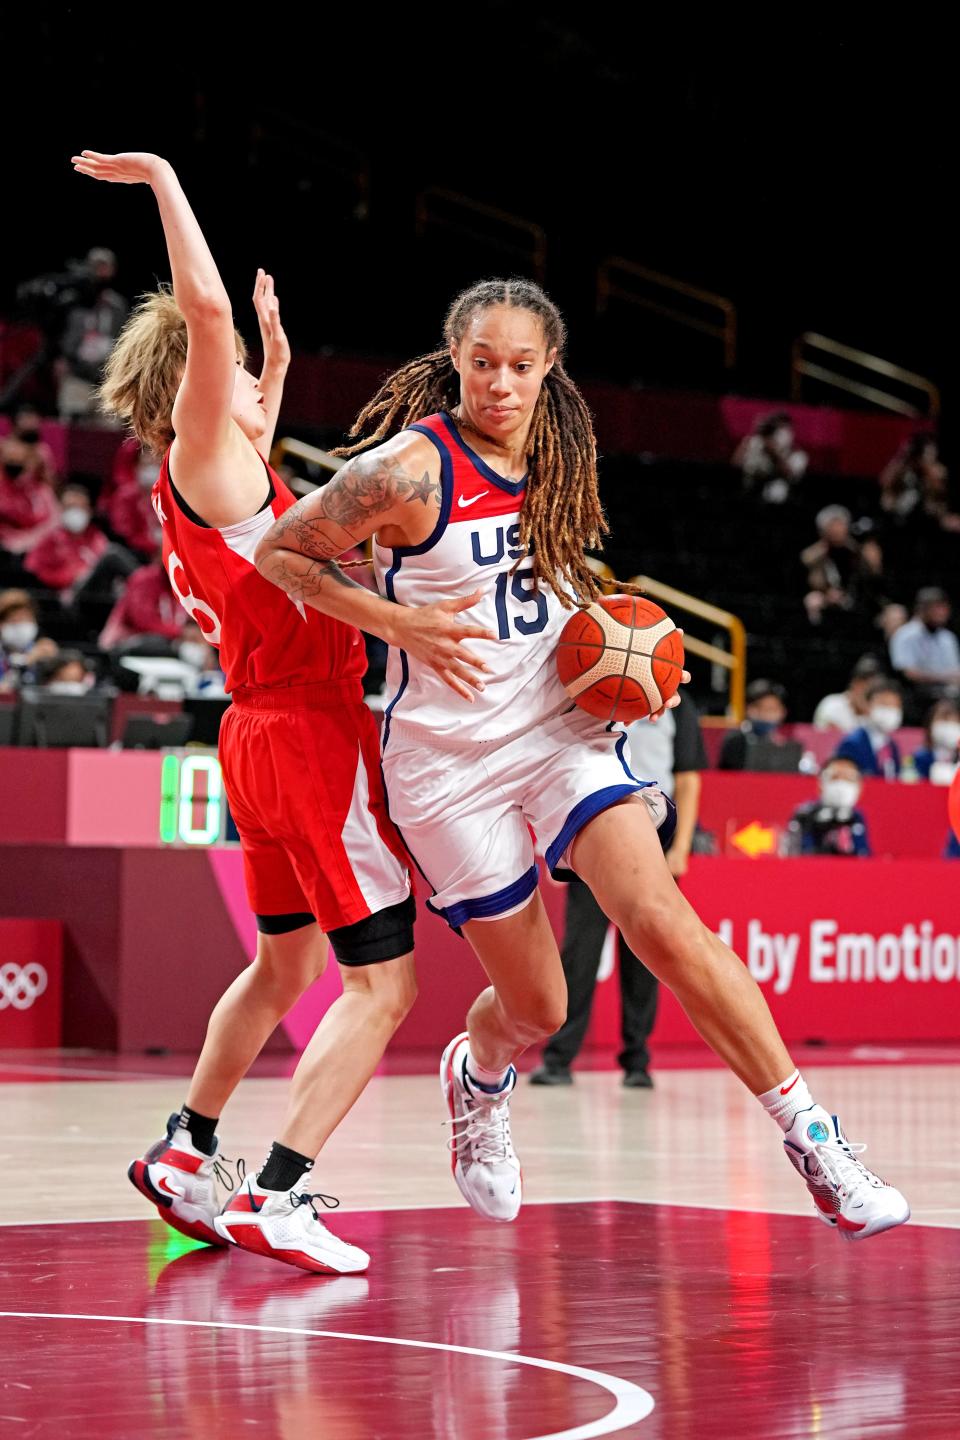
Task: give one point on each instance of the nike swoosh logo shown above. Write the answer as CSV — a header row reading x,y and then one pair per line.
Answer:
x,y
463,502
253,1204
163,1185
785,1090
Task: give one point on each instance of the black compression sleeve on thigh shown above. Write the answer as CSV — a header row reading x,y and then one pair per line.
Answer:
x,y
384,936
283,924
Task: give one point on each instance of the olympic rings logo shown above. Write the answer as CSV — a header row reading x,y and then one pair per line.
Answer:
x,y
21,985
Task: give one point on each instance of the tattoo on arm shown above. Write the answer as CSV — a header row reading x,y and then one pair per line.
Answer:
x,y
305,582
367,486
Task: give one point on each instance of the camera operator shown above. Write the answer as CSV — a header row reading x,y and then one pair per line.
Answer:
x,y
93,321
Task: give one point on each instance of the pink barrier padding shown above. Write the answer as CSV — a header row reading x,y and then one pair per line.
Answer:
x,y
113,799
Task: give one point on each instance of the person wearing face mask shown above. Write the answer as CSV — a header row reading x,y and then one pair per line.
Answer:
x,y
28,506
832,825
926,651
28,428
21,646
64,674
872,747
124,502
848,709
939,760
749,748
67,555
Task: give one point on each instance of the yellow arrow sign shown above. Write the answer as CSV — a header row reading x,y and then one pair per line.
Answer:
x,y
755,839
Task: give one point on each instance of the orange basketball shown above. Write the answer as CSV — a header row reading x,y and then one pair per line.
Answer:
x,y
621,658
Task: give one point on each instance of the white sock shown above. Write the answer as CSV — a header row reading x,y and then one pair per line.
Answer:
x,y
487,1080
786,1100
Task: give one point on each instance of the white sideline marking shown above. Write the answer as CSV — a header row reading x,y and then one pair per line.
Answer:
x,y
632,1403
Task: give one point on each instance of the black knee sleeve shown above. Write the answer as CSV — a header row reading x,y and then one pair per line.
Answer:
x,y
384,936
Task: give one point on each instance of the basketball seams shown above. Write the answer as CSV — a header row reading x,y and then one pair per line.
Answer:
x,y
602,648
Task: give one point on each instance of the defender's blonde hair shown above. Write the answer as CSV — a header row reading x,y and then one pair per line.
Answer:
x,y
145,368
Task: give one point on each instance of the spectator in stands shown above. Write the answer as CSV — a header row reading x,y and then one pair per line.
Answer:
x,y
204,660
21,645
831,825
68,553
914,484
833,564
29,509
939,759
753,746
872,747
66,673
147,606
28,428
124,503
769,459
848,709
91,328
926,651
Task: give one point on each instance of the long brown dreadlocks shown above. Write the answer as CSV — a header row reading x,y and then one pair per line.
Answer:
x,y
561,514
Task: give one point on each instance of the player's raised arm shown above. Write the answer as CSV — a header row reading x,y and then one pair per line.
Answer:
x,y
276,356
202,411
372,492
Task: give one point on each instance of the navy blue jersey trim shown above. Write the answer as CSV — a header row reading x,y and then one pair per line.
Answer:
x,y
446,499
488,907
584,811
512,487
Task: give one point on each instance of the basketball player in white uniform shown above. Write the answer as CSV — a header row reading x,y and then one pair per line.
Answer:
x,y
485,487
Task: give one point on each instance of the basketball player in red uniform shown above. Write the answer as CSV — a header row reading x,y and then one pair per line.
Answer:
x,y
502,440
299,748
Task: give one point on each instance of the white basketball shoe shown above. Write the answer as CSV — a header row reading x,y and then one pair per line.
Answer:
x,y
848,1196
484,1165
181,1181
284,1225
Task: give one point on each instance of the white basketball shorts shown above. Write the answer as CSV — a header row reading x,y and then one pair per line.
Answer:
x,y
466,816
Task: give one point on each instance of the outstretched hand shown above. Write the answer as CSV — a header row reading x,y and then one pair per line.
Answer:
x,y
434,634
276,346
134,167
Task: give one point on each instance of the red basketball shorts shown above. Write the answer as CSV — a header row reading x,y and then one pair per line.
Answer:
x,y
301,767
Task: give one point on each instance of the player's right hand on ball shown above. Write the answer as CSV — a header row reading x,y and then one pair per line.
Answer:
x,y
134,167
434,635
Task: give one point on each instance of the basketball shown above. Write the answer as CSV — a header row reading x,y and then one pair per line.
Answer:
x,y
621,658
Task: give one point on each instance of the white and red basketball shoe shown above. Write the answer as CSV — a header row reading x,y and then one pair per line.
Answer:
x,y
284,1225
181,1181
848,1196
482,1158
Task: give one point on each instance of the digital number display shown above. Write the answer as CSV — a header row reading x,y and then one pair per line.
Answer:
x,y
193,806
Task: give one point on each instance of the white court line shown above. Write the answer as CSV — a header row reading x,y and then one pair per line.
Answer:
x,y
632,1403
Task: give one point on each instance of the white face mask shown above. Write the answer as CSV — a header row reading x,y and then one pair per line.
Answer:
x,y
19,635
887,718
75,519
69,687
147,472
840,794
193,652
945,734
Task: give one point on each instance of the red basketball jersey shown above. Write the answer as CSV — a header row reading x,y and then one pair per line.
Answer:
x,y
264,637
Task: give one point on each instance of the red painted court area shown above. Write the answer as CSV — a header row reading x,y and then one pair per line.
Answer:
x,y
733,1324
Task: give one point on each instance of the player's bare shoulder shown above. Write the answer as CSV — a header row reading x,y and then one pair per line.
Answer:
x,y
393,490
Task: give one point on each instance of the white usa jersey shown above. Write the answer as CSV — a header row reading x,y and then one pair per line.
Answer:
x,y
475,545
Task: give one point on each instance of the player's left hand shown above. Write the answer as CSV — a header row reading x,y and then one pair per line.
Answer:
x,y
276,346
